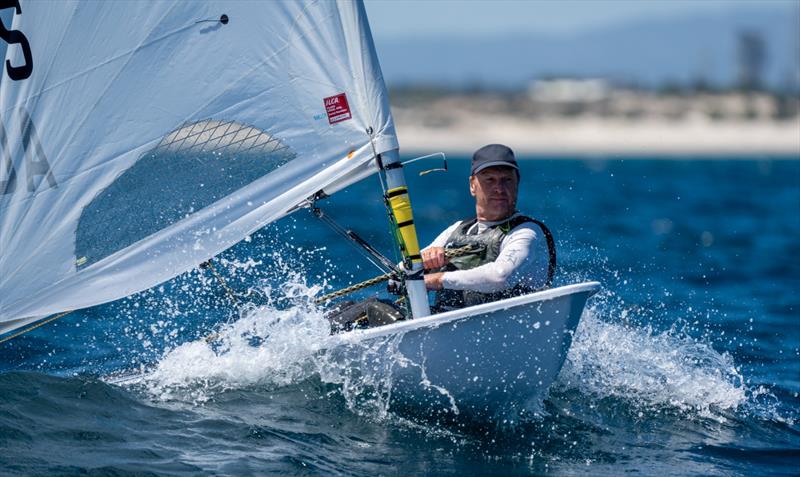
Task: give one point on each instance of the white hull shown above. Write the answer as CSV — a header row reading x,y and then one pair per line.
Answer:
x,y
481,361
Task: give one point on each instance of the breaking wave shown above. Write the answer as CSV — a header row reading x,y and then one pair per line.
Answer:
x,y
265,346
269,347
650,369
654,371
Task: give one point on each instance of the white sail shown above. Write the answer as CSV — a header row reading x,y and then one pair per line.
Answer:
x,y
138,139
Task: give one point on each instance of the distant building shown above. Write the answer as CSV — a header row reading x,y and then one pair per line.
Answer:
x,y
752,55
569,91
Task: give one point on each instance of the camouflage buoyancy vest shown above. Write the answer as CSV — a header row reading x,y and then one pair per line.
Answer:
x,y
488,242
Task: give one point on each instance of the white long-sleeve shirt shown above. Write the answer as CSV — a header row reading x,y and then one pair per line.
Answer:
x,y
523,258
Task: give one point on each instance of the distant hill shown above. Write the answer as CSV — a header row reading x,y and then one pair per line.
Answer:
x,y
650,52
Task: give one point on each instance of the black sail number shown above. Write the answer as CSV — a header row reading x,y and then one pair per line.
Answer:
x,y
16,37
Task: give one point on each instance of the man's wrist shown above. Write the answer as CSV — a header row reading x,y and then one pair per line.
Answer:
x,y
433,281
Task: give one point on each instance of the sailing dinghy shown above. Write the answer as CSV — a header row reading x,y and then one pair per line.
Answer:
x,y
140,139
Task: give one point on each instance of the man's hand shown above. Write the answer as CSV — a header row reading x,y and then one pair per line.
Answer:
x,y
433,281
432,258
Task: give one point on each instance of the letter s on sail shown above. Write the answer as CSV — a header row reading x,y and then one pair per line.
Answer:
x,y
16,37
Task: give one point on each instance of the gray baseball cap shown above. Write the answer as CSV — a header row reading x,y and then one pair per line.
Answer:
x,y
493,155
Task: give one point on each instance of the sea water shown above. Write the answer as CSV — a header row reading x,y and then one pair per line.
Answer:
x,y
687,362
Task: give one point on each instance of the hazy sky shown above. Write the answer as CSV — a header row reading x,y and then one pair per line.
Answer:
x,y
393,18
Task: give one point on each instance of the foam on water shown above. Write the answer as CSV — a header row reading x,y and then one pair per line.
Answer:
x,y
265,346
655,371
651,370
271,346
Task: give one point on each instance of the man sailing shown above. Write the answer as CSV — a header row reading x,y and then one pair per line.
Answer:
x,y
517,253
514,254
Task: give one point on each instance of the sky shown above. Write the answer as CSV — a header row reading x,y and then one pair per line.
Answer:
x,y
396,18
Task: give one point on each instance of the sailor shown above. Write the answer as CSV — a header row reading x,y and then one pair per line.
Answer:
x,y
516,254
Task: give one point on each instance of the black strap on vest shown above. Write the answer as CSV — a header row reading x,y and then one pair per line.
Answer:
x,y
551,251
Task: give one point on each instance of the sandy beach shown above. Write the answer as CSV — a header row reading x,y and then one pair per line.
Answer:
x,y
462,132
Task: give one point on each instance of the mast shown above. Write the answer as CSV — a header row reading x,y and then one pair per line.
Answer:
x,y
399,202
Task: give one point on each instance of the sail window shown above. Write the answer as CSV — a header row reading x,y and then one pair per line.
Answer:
x,y
192,167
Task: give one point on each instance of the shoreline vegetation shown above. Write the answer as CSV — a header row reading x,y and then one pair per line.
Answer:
x,y
588,118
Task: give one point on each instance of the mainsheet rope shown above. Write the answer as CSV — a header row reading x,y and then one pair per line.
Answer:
x,y
34,326
451,253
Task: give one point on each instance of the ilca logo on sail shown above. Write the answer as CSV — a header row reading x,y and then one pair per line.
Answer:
x,y
337,108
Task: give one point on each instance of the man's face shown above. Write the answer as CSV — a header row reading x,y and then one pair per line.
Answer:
x,y
495,192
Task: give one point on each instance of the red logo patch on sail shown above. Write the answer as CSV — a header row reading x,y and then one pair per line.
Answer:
x,y
337,108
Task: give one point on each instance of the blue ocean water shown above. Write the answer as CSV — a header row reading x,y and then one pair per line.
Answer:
x,y
687,363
